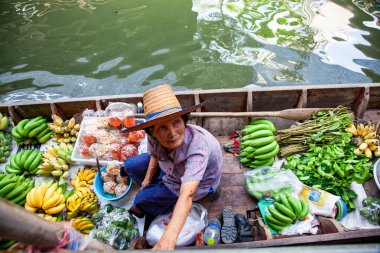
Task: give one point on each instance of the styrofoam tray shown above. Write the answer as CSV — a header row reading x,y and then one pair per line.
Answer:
x,y
76,157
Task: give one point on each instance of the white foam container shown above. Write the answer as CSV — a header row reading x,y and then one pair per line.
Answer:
x,y
76,156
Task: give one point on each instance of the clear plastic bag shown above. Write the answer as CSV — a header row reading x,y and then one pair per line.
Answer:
x,y
371,210
195,222
120,110
267,182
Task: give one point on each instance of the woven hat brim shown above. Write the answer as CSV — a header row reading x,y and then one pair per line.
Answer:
x,y
163,118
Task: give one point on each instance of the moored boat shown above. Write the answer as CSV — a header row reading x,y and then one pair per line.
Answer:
x,y
230,110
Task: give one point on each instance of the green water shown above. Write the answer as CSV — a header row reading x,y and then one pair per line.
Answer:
x,y
67,48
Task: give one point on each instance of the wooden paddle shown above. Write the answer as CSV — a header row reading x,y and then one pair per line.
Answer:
x,y
291,114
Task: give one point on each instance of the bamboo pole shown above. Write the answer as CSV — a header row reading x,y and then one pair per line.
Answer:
x,y
22,226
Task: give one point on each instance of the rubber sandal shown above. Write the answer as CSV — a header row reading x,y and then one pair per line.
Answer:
x,y
229,231
244,231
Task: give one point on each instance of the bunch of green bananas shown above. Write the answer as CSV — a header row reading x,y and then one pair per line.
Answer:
x,y
259,146
30,131
15,188
4,122
5,146
286,210
26,161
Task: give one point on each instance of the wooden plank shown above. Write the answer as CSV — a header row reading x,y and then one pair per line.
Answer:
x,y
361,103
362,236
16,118
374,97
275,100
224,126
55,109
333,97
21,112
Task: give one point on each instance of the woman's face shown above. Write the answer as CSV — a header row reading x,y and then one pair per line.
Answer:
x,y
170,134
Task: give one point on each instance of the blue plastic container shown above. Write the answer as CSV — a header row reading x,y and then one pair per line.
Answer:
x,y
98,187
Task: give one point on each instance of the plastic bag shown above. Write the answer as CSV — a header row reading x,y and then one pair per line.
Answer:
x,y
309,226
267,182
320,202
195,222
120,110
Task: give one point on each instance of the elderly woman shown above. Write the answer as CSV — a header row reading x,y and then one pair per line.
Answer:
x,y
183,165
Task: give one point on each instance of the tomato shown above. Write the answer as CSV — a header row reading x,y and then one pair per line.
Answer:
x,y
88,139
136,136
114,122
128,151
129,121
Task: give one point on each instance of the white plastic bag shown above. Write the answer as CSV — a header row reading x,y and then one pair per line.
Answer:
x,y
307,226
195,222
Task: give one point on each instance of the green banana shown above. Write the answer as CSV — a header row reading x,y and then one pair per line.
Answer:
x,y
46,137
33,123
42,133
13,163
284,210
258,134
6,182
305,210
30,158
271,219
248,129
285,202
11,170
15,134
18,159
257,143
25,156
36,162
7,189
20,127
16,191
37,130
270,154
255,164
266,149
295,203
264,121
4,123
276,227
278,216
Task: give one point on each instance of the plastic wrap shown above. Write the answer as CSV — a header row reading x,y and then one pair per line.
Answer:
x,y
267,182
114,226
109,187
120,189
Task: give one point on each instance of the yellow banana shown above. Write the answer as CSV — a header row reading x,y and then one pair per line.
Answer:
x,y
371,135
52,202
37,197
71,123
352,129
57,120
49,193
55,209
368,153
367,129
372,141
360,128
30,208
52,151
373,147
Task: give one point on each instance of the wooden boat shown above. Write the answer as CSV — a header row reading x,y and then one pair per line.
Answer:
x,y
229,110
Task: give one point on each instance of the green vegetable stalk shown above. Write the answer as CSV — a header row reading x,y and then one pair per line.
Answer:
x,y
323,127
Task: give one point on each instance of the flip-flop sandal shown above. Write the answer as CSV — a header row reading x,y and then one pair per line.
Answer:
x,y
229,231
244,231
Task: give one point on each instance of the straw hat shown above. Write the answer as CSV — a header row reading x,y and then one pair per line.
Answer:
x,y
160,105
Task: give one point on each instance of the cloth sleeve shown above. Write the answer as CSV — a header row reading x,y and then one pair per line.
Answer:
x,y
196,164
152,146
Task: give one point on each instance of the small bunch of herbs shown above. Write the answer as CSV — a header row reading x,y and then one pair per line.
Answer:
x,y
332,167
325,126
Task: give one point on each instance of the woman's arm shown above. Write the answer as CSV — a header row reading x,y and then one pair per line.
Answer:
x,y
181,210
151,171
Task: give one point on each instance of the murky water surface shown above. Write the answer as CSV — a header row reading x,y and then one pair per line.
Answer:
x,y
67,48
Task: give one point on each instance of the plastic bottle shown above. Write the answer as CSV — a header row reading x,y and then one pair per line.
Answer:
x,y
212,232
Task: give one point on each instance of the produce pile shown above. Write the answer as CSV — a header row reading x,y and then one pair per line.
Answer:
x,y
15,188
31,131
286,211
114,226
5,146
64,131
371,210
259,147
365,138
26,161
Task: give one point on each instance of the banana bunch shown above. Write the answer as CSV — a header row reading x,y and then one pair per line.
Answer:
x,y
259,146
285,211
47,197
365,138
5,146
26,161
56,161
4,122
86,175
50,217
30,131
83,225
64,131
81,202
15,188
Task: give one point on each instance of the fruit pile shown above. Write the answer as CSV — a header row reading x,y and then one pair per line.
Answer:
x,y
5,146
64,131
285,211
30,131
85,175
259,146
83,225
47,197
4,122
50,217
365,138
82,202
15,188
26,161
56,161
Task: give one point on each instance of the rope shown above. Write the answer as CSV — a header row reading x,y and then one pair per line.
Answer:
x,y
70,238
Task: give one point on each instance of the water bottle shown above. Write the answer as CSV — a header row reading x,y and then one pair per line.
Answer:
x,y
212,232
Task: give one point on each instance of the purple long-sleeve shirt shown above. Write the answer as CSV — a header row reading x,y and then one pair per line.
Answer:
x,y
199,158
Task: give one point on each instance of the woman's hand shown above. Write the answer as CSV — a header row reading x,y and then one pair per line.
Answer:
x,y
166,243
145,183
